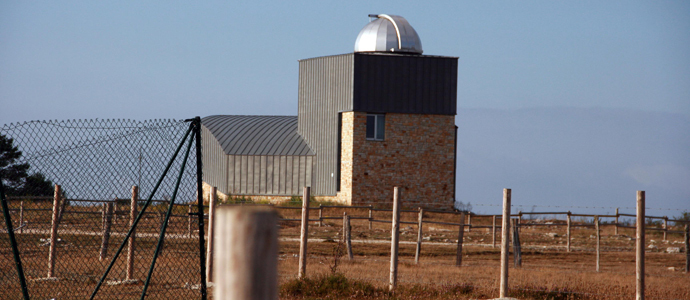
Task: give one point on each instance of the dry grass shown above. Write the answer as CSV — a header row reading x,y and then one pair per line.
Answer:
x,y
548,271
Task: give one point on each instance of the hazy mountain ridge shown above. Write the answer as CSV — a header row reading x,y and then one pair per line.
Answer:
x,y
574,156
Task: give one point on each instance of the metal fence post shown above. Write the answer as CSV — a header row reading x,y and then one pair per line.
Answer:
x,y
13,241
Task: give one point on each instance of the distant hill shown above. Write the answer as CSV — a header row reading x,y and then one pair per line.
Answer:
x,y
573,157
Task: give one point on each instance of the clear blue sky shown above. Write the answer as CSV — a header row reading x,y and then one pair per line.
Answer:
x,y
178,59
162,59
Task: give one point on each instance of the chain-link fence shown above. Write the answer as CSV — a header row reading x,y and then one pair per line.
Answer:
x,y
72,196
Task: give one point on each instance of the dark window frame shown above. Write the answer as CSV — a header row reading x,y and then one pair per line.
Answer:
x,y
378,127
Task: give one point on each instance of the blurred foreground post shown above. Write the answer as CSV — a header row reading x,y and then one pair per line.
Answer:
x,y
304,234
458,255
639,266
53,233
505,239
418,251
132,238
246,249
209,244
395,234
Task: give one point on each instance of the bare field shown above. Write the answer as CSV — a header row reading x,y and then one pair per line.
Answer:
x,y
548,270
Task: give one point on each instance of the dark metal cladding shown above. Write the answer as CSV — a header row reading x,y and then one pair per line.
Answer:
x,y
257,135
409,84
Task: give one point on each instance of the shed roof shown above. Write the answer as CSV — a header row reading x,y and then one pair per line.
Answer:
x,y
257,135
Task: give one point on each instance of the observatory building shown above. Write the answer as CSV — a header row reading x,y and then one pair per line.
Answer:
x,y
380,117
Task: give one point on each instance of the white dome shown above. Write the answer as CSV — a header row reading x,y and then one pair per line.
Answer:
x,y
388,33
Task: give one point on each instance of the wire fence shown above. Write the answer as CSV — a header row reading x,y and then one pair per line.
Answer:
x,y
548,269
75,187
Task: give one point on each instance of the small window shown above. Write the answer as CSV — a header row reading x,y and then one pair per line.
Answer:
x,y
376,127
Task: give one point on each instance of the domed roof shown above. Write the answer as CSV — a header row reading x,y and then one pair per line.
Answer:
x,y
388,33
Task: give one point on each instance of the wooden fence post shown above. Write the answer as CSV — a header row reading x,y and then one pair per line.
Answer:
x,y
418,251
246,248
520,217
596,225
568,232
53,233
469,222
189,221
640,241
505,238
395,235
687,248
211,227
304,233
320,215
517,250
665,227
458,254
132,239
371,207
161,216
347,236
493,231
21,217
616,228
107,222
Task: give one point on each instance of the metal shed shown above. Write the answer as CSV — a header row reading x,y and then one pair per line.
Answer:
x,y
255,155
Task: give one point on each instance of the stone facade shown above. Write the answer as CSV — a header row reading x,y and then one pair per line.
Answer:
x,y
417,155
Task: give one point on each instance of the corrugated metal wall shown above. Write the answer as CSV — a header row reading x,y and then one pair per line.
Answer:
x,y
325,88
214,161
367,82
274,175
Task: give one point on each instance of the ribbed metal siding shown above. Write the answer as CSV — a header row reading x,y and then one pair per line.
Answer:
x,y
412,84
273,175
214,161
325,88
257,135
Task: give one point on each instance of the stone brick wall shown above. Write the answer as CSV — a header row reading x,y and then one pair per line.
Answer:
x,y
416,155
